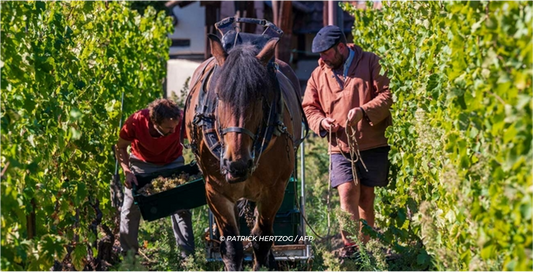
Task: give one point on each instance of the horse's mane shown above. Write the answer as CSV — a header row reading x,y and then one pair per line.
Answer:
x,y
243,79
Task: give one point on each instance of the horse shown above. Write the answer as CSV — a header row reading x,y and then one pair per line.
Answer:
x,y
243,124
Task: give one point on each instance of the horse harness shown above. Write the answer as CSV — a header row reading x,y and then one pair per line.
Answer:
x,y
206,119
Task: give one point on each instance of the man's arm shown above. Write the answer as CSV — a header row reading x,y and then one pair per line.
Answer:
x,y
377,109
313,110
124,160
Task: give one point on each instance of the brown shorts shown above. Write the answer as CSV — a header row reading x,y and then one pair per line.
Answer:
x,y
376,161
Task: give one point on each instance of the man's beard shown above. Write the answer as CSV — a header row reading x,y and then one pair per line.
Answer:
x,y
336,64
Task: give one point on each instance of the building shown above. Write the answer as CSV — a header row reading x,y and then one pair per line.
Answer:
x,y
300,21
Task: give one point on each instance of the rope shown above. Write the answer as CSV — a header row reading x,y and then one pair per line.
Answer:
x,y
314,232
329,186
355,154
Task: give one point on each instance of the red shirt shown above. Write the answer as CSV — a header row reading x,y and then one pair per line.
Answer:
x,y
158,150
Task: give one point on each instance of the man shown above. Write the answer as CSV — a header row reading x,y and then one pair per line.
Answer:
x,y
154,136
346,89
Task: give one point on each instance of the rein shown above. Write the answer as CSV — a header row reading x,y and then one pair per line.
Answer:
x,y
355,153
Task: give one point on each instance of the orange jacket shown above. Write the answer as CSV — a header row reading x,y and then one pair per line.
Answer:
x,y
364,87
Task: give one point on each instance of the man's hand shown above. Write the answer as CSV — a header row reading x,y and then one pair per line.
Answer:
x,y
130,178
354,116
329,123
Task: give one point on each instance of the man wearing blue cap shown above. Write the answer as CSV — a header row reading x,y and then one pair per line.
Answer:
x,y
347,90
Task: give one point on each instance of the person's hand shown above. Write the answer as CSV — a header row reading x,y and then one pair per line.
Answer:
x,y
329,123
354,116
130,178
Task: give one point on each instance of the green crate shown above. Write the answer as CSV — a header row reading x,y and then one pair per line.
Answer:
x,y
186,196
285,224
289,200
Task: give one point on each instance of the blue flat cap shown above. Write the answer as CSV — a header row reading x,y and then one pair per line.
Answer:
x,y
326,38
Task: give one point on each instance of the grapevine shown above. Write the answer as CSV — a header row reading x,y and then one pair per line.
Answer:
x,y
65,66
461,143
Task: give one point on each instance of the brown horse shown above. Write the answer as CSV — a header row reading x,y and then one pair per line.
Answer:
x,y
244,126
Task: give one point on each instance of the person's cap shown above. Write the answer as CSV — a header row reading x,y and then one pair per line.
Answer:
x,y
326,38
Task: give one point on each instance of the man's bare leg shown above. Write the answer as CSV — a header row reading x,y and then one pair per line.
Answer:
x,y
349,199
366,207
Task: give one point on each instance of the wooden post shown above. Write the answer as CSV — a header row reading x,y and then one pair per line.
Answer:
x,y
250,12
332,12
212,14
284,20
275,12
325,13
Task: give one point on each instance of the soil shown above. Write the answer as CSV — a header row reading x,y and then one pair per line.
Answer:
x,y
332,242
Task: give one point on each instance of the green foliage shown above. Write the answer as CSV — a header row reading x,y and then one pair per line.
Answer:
x,y
364,260
131,263
318,191
461,186
159,244
461,142
181,96
141,6
64,68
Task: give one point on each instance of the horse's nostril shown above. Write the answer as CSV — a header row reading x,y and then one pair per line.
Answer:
x,y
238,168
233,168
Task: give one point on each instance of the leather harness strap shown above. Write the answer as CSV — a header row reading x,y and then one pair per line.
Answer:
x,y
239,130
193,82
205,119
272,123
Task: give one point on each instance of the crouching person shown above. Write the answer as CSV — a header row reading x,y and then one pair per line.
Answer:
x,y
154,136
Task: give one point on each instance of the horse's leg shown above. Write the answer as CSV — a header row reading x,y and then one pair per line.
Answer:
x,y
224,211
264,228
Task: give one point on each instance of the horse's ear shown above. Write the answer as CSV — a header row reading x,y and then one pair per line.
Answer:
x,y
267,53
217,50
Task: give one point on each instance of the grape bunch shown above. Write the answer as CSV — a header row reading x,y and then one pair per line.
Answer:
x,y
161,184
249,216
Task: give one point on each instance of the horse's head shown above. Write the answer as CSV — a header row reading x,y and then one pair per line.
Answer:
x,y
245,89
